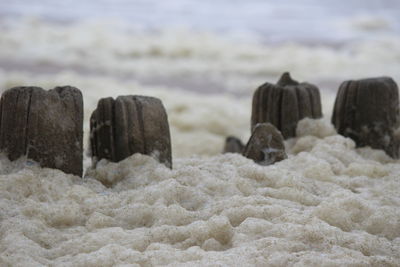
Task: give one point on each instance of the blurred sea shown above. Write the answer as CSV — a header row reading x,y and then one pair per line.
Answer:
x,y
308,21
209,46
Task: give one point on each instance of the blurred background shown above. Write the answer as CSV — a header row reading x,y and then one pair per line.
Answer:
x,y
202,58
207,46
309,21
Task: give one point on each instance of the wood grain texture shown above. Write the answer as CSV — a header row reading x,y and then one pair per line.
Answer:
x,y
367,111
285,103
128,125
46,126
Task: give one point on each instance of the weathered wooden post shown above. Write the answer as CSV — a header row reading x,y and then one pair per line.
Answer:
x,y
265,145
285,103
367,111
46,126
128,125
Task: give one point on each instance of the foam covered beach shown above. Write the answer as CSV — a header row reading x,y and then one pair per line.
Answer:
x,y
328,204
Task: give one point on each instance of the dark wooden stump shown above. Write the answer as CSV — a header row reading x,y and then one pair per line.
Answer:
x,y
265,145
46,126
233,145
128,125
367,111
285,103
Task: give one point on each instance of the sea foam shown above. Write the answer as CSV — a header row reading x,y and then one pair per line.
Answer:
x,y
328,204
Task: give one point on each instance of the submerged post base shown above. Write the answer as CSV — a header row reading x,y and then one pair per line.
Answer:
x,y
128,125
46,126
285,103
367,111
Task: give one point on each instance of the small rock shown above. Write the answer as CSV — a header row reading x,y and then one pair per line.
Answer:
x,y
265,145
233,145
